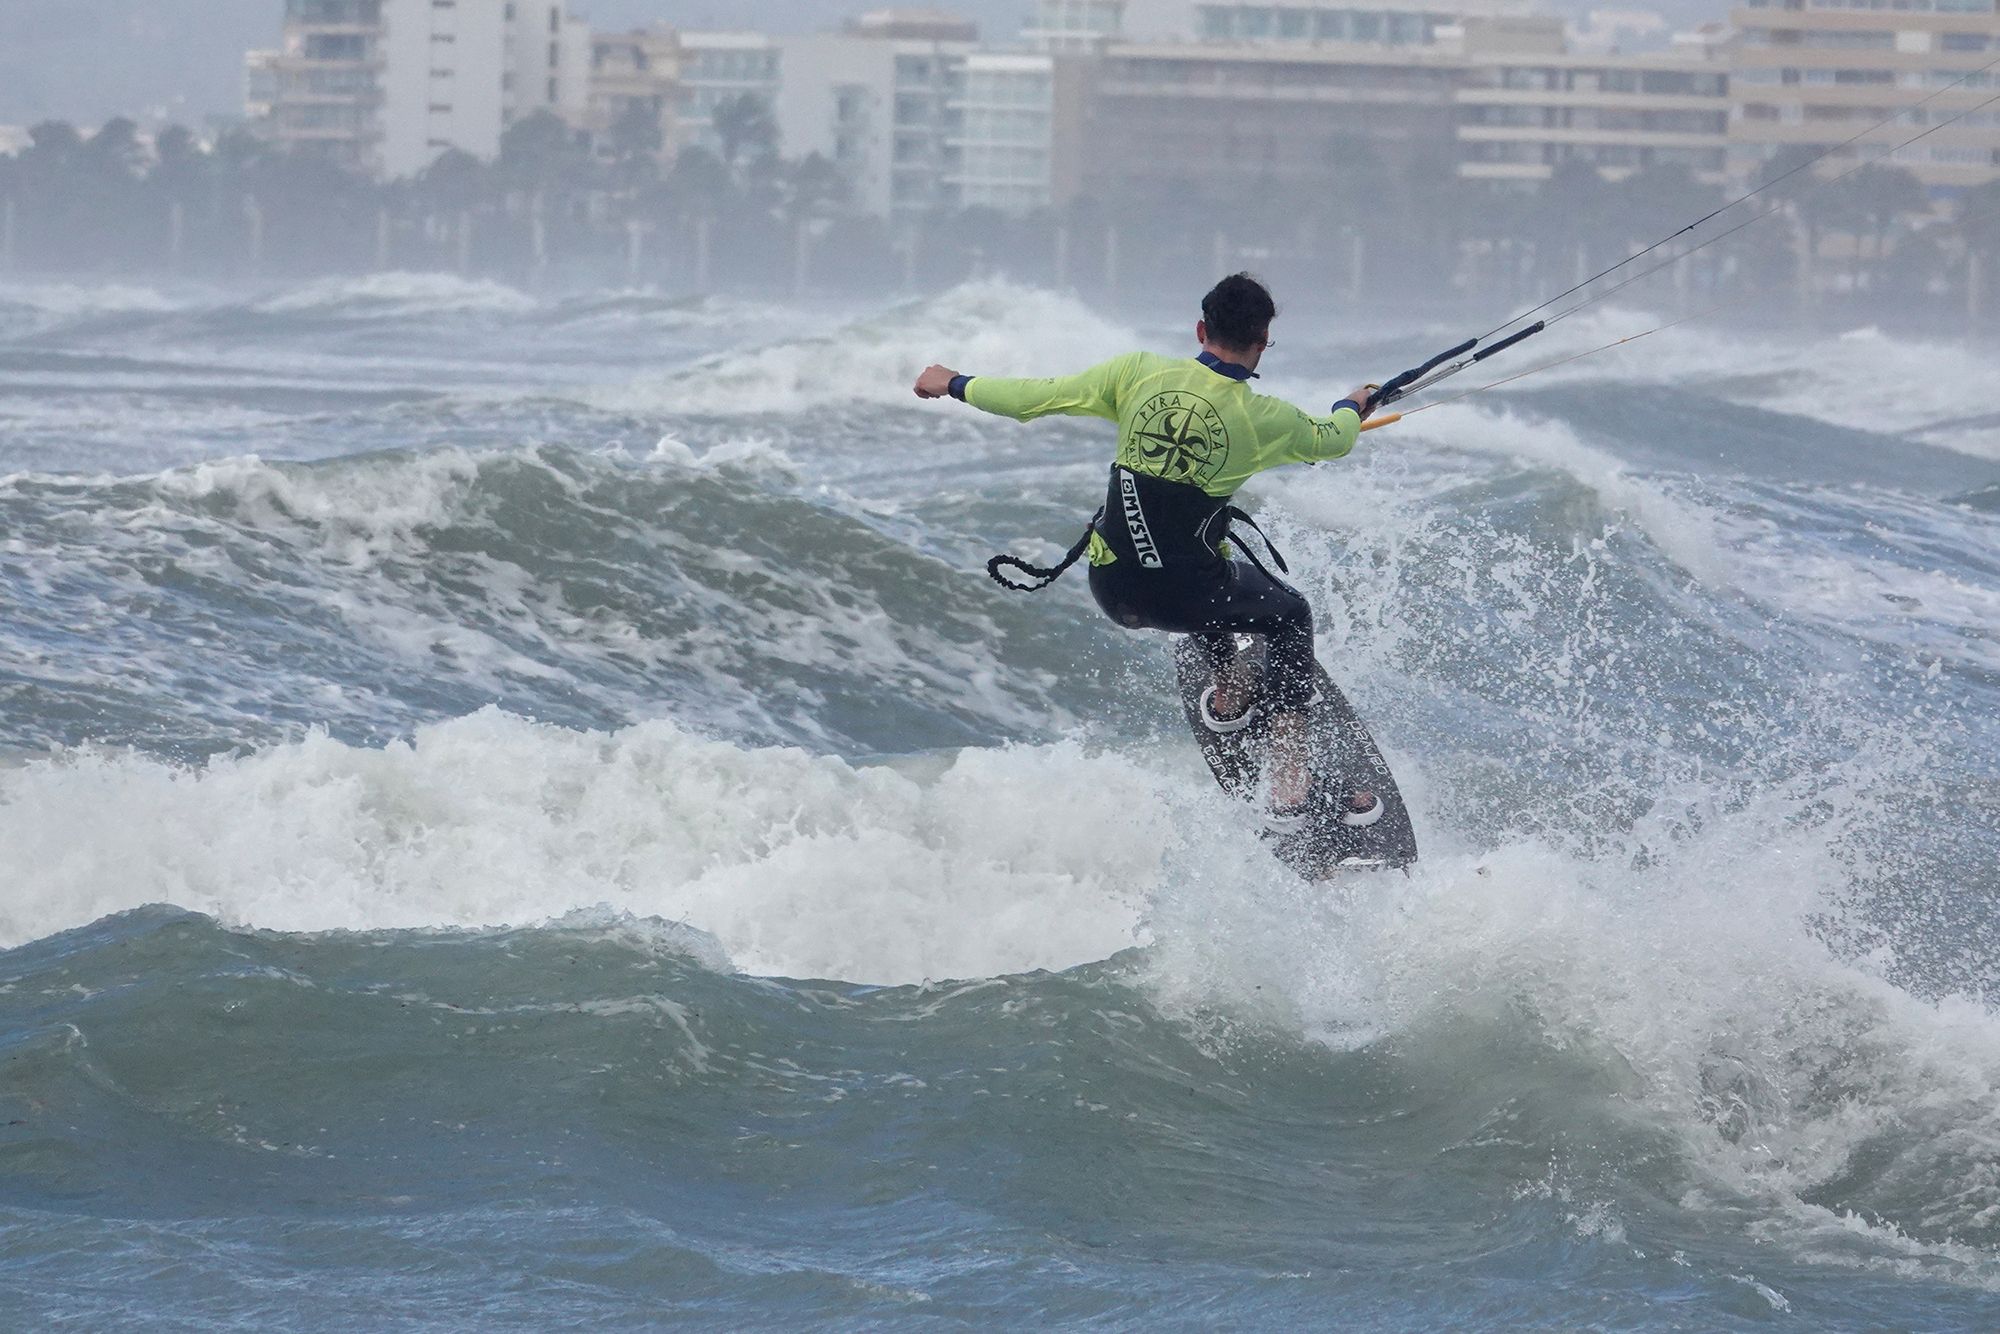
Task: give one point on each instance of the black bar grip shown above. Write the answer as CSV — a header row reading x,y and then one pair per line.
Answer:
x,y
1509,341
1443,357
1393,389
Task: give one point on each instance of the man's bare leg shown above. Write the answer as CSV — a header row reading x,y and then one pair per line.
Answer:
x,y
1286,762
1232,688
1291,783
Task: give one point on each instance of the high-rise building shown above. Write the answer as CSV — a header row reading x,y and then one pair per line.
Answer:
x,y
1303,24
1074,27
1003,136
1812,74
547,65
878,101
385,86
1528,106
320,89
718,67
441,84
1237,117
635,72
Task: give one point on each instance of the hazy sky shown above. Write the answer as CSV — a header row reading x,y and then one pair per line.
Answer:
x,y
85,60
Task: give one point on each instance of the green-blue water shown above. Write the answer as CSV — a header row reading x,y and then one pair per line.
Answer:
x,y
525,812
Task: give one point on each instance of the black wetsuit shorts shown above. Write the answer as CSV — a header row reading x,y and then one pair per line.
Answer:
x,y
1214,600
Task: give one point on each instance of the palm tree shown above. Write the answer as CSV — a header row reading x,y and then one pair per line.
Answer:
x,y
698,185
744,130
540,153
114,150
1880,197
1977,221
812,187
1567,220
634,141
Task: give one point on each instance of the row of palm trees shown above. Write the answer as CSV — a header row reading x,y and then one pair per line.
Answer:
x,y
560,206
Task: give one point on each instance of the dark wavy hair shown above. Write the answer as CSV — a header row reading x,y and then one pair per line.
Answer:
x,y
1239,311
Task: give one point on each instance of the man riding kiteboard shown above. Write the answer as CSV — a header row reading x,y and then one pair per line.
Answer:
x,y
1190,432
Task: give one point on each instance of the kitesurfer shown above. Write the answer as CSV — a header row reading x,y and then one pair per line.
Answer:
x,y
1190,432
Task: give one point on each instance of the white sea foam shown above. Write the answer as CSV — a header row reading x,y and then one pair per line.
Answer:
x,y
1856,377
1004,861
992,328
77,299
1693,958
402,293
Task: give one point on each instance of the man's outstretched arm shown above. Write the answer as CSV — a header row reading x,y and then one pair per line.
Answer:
x,y
1094,393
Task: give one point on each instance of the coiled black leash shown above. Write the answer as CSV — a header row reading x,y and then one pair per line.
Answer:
x,y
1043,577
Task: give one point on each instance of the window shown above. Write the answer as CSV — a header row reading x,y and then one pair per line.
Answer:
x,y
1293,24
336,46
555,18
440,108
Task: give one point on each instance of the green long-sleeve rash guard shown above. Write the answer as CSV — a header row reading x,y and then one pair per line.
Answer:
x,y
1178,419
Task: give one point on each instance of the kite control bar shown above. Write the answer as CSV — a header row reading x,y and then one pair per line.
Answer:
x,y
1396,386
1428,374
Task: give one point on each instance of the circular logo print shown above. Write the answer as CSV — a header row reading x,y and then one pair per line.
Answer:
x,y
1180,437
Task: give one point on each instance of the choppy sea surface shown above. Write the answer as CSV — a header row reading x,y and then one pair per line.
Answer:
x,y
525,812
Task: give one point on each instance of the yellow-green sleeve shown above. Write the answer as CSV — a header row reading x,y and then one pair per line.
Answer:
x,y
1093,393
1312,439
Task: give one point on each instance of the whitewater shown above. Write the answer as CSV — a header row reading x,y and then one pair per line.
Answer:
x,y
523,810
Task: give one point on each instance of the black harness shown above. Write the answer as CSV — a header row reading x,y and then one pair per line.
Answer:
x,y
1151,522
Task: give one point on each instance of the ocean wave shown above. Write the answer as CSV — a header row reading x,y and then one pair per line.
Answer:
x,y
373,592
986,863
1671,1037
991,327
379,295
1859,377
69,300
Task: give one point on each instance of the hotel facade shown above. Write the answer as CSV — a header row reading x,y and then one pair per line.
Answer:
x,y
1812,74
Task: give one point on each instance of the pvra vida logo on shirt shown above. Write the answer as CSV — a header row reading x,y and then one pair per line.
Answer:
x,y
1180,437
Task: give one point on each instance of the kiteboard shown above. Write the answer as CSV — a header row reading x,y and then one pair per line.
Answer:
x,y
1341,755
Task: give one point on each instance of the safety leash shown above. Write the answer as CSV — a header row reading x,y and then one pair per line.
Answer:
x,y
1043,577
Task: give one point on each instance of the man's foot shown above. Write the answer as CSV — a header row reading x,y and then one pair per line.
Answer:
x,y
1224,723
1285,819
1363,809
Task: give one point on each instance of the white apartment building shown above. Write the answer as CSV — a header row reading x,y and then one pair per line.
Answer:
x,y
880,106
432,93
319,90
718,67
1003,135
1074,27
386,86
